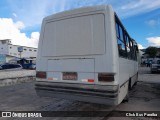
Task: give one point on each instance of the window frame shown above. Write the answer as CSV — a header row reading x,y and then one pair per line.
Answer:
x,y
120,36
127,40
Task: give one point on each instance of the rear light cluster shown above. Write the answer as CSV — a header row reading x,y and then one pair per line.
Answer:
x,y
40,74
88,80
105,77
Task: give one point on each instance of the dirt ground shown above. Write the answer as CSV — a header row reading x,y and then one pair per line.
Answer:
x,y
145,96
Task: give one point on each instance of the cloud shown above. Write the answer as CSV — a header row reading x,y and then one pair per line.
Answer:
x,y
32,12
154,41
35,38
134,7
11,30
152,23
140,46
124,8
14,14
19,25
29,13
149,34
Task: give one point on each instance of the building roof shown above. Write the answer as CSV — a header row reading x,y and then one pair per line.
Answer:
x,y
23,46
15,45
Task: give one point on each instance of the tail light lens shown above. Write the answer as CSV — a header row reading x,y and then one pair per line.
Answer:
x,y
40,74
105,77
90,80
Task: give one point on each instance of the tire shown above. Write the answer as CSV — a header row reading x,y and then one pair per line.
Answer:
x,y
137,80
152,72
126,99
129,85
135,83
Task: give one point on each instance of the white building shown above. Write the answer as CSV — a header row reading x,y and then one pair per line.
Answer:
x,y
11,51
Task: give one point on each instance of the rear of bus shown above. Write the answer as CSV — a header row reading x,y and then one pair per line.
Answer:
x,y
77,56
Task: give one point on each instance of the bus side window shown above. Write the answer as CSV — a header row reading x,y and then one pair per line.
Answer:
x,y
132,49
128,46
135,53
121,33
120,40
117,30
121,48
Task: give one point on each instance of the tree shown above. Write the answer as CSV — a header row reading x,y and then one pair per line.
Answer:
x,y
151,51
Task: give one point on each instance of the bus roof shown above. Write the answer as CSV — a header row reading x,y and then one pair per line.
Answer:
x,y
78,11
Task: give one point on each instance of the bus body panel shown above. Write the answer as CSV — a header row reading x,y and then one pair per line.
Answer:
x,y
78,36
82,41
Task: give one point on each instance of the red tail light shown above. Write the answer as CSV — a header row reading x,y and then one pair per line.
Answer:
x,y
40,74
90,80
105,77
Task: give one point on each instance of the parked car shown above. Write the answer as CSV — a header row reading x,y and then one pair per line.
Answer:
x,y
26,63
8,66
155,66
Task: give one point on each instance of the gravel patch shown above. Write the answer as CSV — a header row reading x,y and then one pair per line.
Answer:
x,y
8,78
16,74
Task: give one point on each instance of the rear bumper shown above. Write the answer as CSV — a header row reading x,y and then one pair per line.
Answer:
x,y
101,94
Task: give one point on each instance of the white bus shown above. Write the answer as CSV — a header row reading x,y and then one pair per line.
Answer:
x,y
87,55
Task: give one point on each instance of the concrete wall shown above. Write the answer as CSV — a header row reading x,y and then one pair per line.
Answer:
x,y
8,58
3,47
2,59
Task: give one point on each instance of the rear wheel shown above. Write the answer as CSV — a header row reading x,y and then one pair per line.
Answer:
x,y
126,99
152,72
136,80
129,85
137,75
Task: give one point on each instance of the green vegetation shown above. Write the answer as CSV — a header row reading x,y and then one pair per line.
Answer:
x,y
151,51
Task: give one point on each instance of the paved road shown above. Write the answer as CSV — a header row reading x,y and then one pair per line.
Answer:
x,y
145,96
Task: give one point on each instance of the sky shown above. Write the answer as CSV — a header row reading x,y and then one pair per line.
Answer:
x,y
20,20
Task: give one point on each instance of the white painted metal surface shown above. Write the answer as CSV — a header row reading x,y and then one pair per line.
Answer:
x,y
83,41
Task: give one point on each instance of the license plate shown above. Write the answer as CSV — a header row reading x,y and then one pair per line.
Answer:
x,y
69,76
